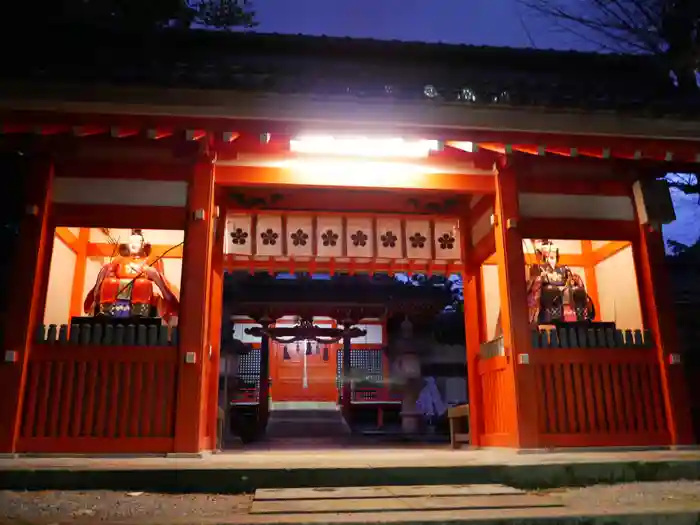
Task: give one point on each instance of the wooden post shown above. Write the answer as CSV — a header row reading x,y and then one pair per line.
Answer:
x,y
264,394
193,325
346,384
29,284
473,311
658,312
522,416
589,272
216,295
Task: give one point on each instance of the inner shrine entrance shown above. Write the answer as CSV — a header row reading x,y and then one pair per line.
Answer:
x,y
303,372
334,354
291,374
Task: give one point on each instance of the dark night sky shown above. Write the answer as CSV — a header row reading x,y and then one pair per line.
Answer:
x,y
482,22
479,22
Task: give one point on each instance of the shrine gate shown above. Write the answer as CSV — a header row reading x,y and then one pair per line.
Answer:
x,y
215,183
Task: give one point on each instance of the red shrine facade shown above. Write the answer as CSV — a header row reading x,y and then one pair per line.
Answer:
x,y
140,199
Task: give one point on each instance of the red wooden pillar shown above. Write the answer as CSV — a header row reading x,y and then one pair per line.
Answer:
x,y
473,312
215,319
29,282
660,319
473,322
190,418
521,415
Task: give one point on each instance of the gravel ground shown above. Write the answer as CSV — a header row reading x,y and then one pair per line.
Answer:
x,y
685,494
52,508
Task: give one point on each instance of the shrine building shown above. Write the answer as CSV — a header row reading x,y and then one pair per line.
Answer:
x,y
158,173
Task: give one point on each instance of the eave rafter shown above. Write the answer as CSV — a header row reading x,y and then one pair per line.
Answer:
x,y
233,136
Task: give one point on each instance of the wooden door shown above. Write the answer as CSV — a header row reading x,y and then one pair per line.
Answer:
x,y
300,376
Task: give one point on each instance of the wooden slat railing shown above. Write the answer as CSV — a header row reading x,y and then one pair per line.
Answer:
x,y
606,397
99,399
580,337
99,334
497,402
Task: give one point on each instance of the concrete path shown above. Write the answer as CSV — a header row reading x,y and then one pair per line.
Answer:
x,y
246,471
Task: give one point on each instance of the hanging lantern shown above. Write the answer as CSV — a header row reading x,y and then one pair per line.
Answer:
x,y
287,357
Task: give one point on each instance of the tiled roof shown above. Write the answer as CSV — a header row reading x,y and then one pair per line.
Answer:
x,y
325,66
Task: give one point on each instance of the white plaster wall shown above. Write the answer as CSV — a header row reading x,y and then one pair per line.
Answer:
x,y
492,299
605,207
482,227
69,190
166,237
618,292
61,273
565,246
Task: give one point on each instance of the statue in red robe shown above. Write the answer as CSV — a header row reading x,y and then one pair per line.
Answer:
x,y
555,293
133,284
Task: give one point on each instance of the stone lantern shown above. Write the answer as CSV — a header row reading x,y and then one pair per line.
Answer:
x,y
407,377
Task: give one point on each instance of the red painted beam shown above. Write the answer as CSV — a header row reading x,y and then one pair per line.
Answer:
x,y
238,176
683,150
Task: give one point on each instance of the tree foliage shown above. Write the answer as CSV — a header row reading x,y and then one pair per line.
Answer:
x,y
686,253
669,29
688,183
134,15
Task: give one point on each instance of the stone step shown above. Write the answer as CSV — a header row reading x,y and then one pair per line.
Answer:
x,y
408,491
484,504
490,516
393,499
300,423
394,504
304,405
